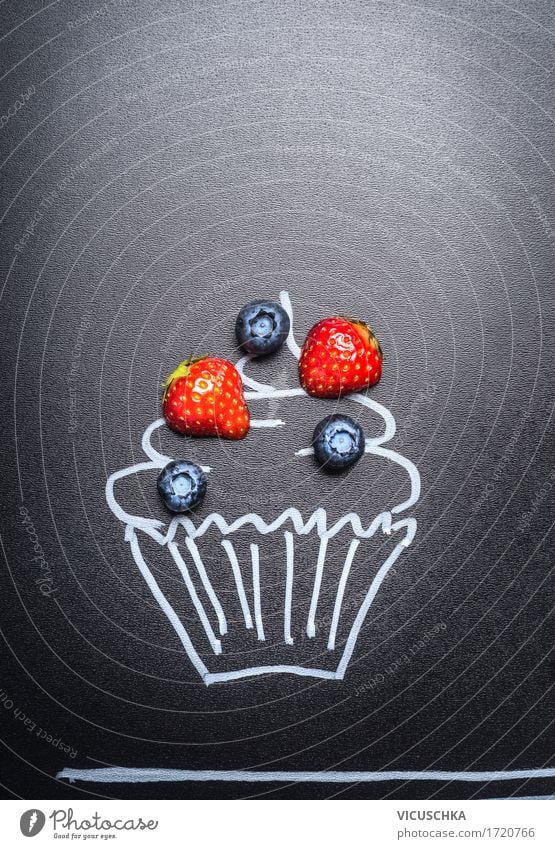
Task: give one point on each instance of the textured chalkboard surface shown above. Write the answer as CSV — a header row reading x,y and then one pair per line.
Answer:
x,y
163,163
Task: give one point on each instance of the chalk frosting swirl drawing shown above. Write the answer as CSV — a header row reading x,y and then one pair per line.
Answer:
x,y
205,633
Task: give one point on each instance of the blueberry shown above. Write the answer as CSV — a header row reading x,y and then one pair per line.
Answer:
x,y
262,327
182,486
338,443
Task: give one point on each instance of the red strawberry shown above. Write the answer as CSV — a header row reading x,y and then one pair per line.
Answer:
x,y
339,355
204,397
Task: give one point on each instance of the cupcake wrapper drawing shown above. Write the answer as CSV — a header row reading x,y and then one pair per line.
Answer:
x,y
230,628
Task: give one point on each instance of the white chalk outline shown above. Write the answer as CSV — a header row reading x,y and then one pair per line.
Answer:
x,y
205,580
292,518
199,607
139,774
236,569
256,591
290,571
311,625
340,592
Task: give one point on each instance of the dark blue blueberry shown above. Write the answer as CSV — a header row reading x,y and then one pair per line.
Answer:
x,y
182,486
262,327
338,443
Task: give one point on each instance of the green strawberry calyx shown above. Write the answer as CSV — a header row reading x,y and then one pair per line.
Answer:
x,y
365,332
182,370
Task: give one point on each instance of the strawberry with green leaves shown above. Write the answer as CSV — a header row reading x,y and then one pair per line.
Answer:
x,y
340,355
204,397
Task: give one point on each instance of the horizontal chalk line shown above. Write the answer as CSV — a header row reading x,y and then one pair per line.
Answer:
x,y
132,774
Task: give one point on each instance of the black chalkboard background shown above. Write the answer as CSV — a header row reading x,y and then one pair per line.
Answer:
x,y
164,164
